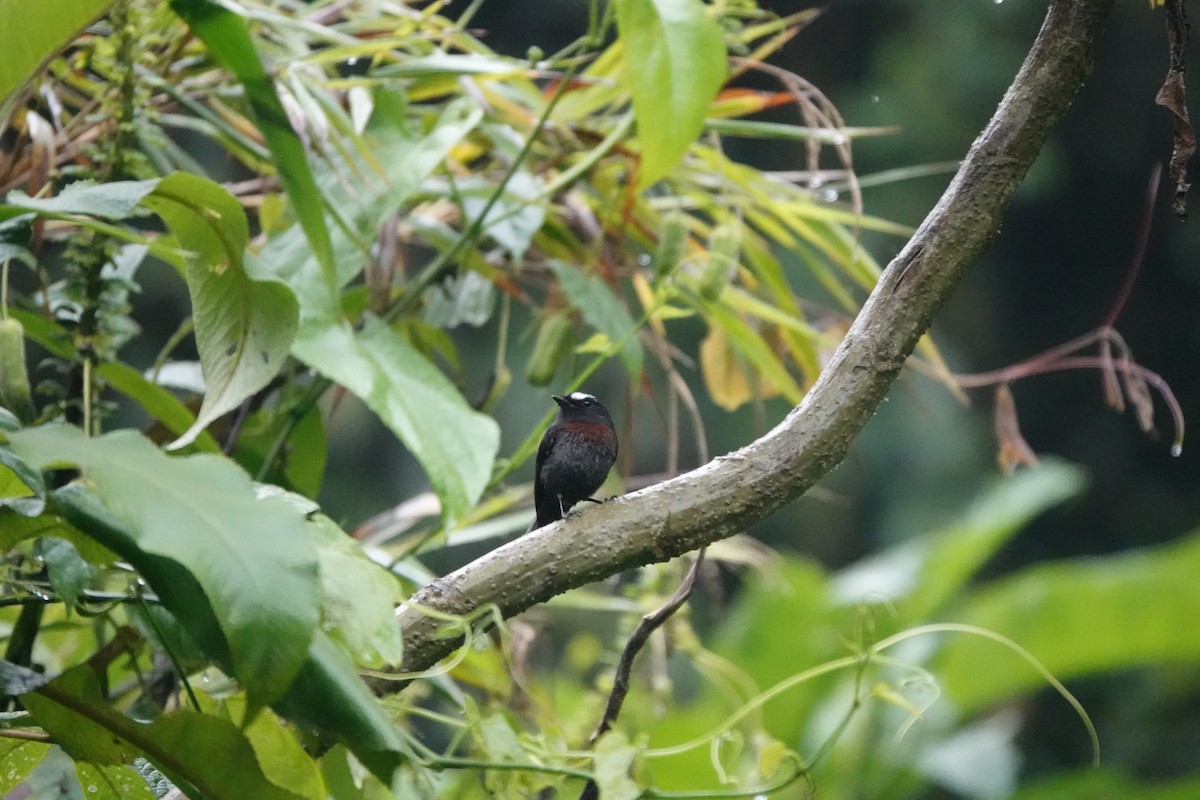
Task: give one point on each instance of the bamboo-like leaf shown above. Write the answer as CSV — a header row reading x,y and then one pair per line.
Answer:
x,y
603,311
227,38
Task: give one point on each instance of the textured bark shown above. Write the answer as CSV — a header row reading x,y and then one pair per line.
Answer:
x,y
734,491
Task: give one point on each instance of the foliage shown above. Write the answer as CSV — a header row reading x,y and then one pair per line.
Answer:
x,y
181,611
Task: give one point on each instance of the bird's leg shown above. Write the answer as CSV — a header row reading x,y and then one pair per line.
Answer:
x,y
562,512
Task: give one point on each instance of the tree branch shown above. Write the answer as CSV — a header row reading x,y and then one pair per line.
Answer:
x,y
734,491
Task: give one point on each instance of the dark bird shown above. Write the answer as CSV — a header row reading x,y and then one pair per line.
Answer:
x,y
574,457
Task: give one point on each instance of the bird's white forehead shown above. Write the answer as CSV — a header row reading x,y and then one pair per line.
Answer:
x,y
580,396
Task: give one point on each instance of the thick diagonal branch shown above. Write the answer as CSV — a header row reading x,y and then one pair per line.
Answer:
x,y
734,491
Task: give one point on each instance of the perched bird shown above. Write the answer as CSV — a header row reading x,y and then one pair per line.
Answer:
x,y
574,457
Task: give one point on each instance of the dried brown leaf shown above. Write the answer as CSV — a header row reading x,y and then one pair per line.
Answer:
x,y
1172,95
1138,392
1108,374
1014,450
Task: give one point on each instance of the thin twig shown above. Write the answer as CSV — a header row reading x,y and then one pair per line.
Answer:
x,y
641,634
649,624
1139,252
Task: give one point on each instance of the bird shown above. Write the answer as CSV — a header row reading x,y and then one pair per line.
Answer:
x,y
574,457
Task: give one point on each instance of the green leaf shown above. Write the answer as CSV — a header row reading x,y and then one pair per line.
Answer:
x,y
69,573
515,217
603,311
29,41
115,200
8,420
227,38
674,65
614,759
185,745
757,129
14,529
21,486
159,403
455,444
1077,617
18,757
281,757
118,782
244,327
358,598
346,708
189,522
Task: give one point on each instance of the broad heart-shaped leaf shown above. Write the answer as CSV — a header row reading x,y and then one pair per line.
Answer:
x,y
674,65
244,327
455,444
603,311
227,38
190,522
206,752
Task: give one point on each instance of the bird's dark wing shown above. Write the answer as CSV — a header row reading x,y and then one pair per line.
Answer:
x,y
539,489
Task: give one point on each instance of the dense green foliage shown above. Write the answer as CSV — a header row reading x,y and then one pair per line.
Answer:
x,y
351,201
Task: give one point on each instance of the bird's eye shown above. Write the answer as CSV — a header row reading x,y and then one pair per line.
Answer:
x,y
587,401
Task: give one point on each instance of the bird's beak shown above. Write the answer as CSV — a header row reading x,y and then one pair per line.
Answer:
x,y
562,401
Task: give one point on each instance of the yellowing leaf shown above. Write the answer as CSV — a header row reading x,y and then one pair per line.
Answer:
x,y
723,376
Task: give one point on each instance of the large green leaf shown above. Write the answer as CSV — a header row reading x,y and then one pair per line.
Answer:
x,y
455,444
28,39
195,521
227,38
358,598
674,65
205,751
346,708
244,327
244,320
1077,617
